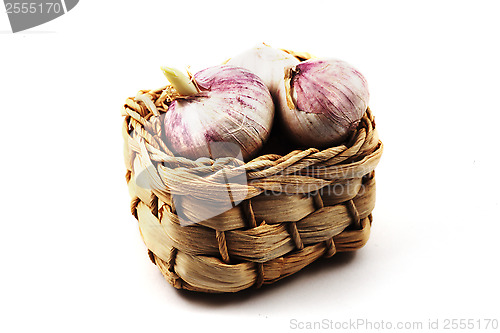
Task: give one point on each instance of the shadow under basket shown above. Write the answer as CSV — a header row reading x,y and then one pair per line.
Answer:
x,y
291,210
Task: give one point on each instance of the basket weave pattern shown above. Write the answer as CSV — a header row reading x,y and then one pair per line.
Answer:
x,y
321,204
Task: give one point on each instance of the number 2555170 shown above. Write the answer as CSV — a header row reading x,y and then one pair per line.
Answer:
x,y
33,8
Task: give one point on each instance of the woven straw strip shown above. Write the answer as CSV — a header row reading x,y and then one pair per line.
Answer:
x,y
370,133
294,233
330,248
369,176
282,207
221,242
315,158
351,240
264,158
329,244
171,259
354,213
351,151
177,281
353,170
128,175
135,110
289,184
153,204
146,99
248,213
133,206
150,136
186,184
282,165
318,201
151,256
163,99
260,244
144,166
259,278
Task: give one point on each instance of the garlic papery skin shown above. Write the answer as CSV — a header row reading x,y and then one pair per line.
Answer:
x,y
267,63
232,106
323,102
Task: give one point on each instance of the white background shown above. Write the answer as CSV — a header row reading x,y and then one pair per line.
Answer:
x,y
71,255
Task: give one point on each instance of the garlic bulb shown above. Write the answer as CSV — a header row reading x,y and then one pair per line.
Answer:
x,y
320,102
325,100
229,105
267,63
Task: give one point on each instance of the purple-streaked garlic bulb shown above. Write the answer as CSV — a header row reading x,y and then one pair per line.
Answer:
x,y
224,104
325,100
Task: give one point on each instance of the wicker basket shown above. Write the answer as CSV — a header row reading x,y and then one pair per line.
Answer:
x,y
297,208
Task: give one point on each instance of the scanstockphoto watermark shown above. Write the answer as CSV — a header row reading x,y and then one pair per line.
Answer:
x,y
354,324
474,324
27,14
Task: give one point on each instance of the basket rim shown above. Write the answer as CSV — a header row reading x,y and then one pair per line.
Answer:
x,y
137,128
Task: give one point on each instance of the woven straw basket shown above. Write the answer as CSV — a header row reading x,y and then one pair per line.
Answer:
x,y
295,208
